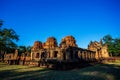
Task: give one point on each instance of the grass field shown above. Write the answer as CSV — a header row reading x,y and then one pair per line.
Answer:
x,y
109,71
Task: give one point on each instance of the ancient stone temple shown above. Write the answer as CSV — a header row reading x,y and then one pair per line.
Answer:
x,y
67,53
99,48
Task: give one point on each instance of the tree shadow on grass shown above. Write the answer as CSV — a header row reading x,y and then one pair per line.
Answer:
x,y
2,65
14,74
103,71
99,72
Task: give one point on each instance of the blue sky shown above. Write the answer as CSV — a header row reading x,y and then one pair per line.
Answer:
x,y
86,20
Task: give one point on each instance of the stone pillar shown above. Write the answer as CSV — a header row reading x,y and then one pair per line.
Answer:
x,y
62,55
83,55
79,54
32,55
96,54
59,55
100,54
67,55
88,55
51,54
92,55
48,54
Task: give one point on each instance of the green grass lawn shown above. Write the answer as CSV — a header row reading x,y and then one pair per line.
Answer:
x,y
109,71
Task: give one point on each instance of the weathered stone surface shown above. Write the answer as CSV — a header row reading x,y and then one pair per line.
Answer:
x,y
50,43
68,41
94,45
37,45
99,48
49,52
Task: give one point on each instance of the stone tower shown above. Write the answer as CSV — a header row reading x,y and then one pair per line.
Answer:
x,y
100,49
37,45
68,41
50,43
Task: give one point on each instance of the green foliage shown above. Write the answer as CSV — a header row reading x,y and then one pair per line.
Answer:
x,y
107,39
117,46
23,49
7,39
113,45
1,22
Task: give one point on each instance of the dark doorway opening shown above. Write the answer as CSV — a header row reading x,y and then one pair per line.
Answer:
x,y
37,55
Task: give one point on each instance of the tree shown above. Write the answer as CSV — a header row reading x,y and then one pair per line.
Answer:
x,y
1,23
113,45
24,50
107,39
117,46
7,39
28,49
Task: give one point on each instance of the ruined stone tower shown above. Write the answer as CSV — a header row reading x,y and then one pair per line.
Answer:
x,y
100,49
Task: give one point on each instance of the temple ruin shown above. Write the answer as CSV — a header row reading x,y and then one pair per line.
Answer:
x,y
50,53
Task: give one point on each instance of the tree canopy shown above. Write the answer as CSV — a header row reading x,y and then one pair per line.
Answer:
x,y
23,49
8,37
113,45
